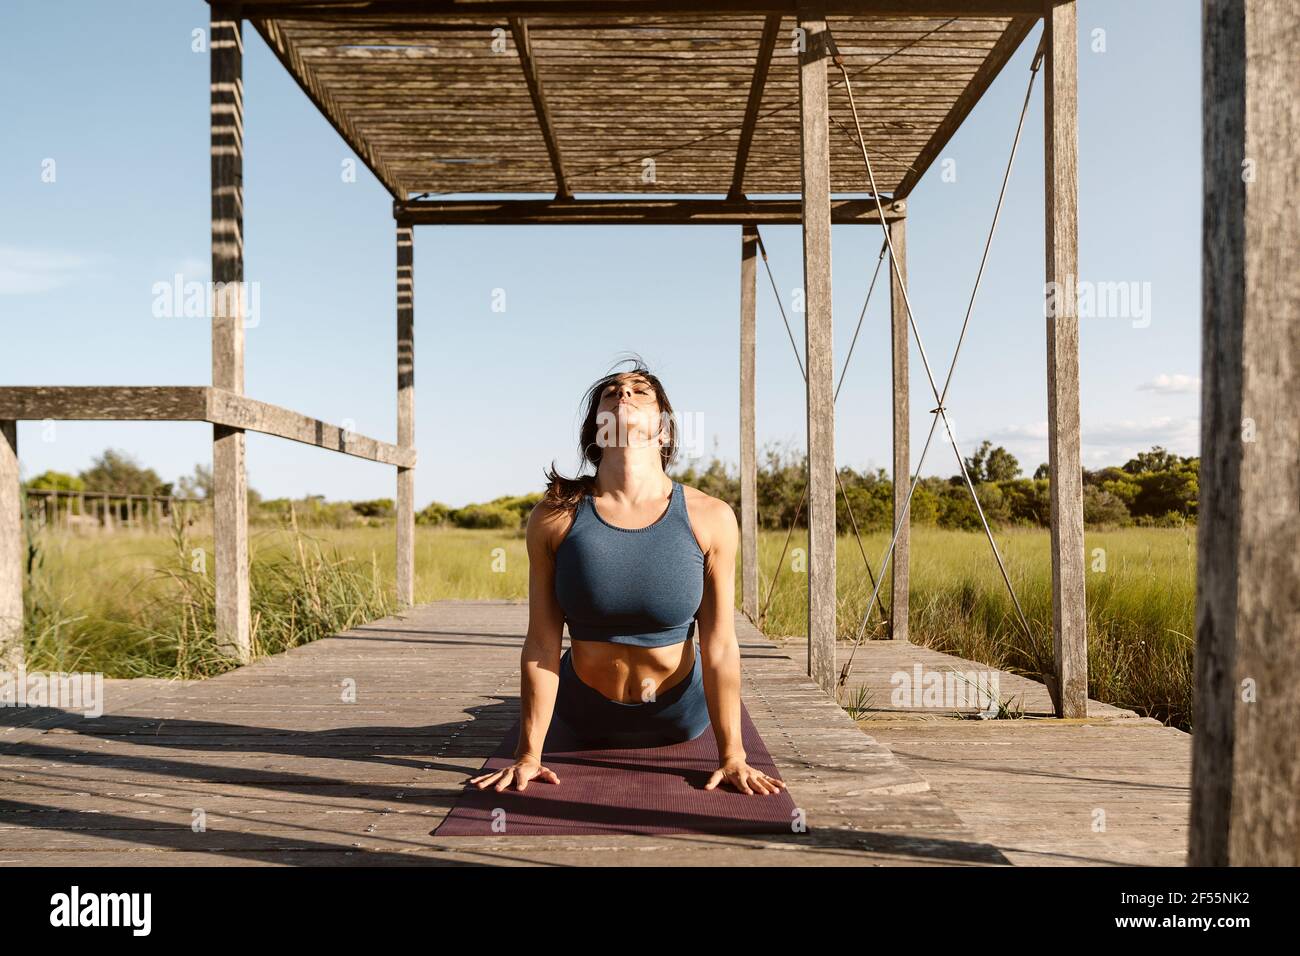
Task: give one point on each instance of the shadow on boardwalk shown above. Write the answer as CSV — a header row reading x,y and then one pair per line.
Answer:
x,y
351,750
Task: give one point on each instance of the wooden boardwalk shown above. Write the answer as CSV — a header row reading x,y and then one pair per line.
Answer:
x,y
270,764
1112,789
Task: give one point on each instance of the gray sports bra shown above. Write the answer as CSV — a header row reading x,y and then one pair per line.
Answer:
x,y
640,586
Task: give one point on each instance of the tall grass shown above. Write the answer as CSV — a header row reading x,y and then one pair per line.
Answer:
x,y
131,606
145,606
1140,603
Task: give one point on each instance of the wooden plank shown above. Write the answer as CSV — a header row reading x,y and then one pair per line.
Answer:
x,y
406,411
1218,533
229,473
104,403
762,63
1245,774
519,29
814,125
899,340
375,10
1002,51
12,652
238,412
196,403
1061,187
748,424
667,212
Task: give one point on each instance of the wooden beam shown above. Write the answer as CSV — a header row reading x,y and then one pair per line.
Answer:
x,y
814,125
12,651
230,410
748,452
519,29
1069,631
543,9
635,212
1245,771
763,62
1002,51
151,403
898,344
406,412
192,403
229,474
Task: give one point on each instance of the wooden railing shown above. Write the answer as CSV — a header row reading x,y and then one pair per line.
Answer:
x,y
102,511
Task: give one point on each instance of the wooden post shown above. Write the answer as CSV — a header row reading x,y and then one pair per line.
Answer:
x,y
11,551
1069,632
405,411
1245,770
814,125
229,477
899,338
748,452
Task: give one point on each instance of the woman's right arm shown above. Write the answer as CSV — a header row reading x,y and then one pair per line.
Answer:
x,y
539,662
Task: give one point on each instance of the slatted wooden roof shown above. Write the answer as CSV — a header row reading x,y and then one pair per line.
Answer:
x,y
456,98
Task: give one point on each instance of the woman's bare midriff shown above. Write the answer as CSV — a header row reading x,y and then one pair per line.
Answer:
x,y
620,671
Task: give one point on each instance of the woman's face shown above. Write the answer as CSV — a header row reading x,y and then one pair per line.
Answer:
x,y
628,413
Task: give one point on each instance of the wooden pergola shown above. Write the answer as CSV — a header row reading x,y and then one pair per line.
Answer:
x,y
694,109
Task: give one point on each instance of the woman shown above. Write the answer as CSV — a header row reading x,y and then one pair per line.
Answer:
x,y
630,559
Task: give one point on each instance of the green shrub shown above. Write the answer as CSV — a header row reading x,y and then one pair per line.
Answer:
x,y
486,516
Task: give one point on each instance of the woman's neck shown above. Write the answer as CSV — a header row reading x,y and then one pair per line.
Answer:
x,y
631,478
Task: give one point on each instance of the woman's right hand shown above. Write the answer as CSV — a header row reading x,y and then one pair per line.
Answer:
x,y
520,772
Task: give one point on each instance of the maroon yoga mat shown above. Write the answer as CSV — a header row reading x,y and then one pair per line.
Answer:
x,y
645,790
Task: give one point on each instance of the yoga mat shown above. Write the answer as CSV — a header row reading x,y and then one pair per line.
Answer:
x,y
642,790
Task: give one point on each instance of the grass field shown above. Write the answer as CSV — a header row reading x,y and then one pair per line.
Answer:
x,y
137,605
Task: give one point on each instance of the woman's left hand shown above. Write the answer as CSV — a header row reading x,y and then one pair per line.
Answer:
x,y
744,778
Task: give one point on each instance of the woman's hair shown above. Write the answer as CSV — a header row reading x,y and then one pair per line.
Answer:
x,y
567,492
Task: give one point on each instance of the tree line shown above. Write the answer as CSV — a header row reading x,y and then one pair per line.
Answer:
x,y
1155,488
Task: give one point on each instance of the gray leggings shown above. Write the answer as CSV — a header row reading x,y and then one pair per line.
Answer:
x,y
584,717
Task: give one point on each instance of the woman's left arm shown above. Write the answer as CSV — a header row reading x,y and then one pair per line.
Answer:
x,y
720,654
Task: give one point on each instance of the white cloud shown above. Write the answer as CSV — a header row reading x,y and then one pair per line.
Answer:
x,y
1155,431
1103,443
30,271
1032,432
1171,384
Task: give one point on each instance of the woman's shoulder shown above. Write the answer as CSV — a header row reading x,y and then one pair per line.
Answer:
x,y
548,524
712,519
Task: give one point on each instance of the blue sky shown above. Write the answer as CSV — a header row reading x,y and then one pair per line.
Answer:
x,y
119,103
